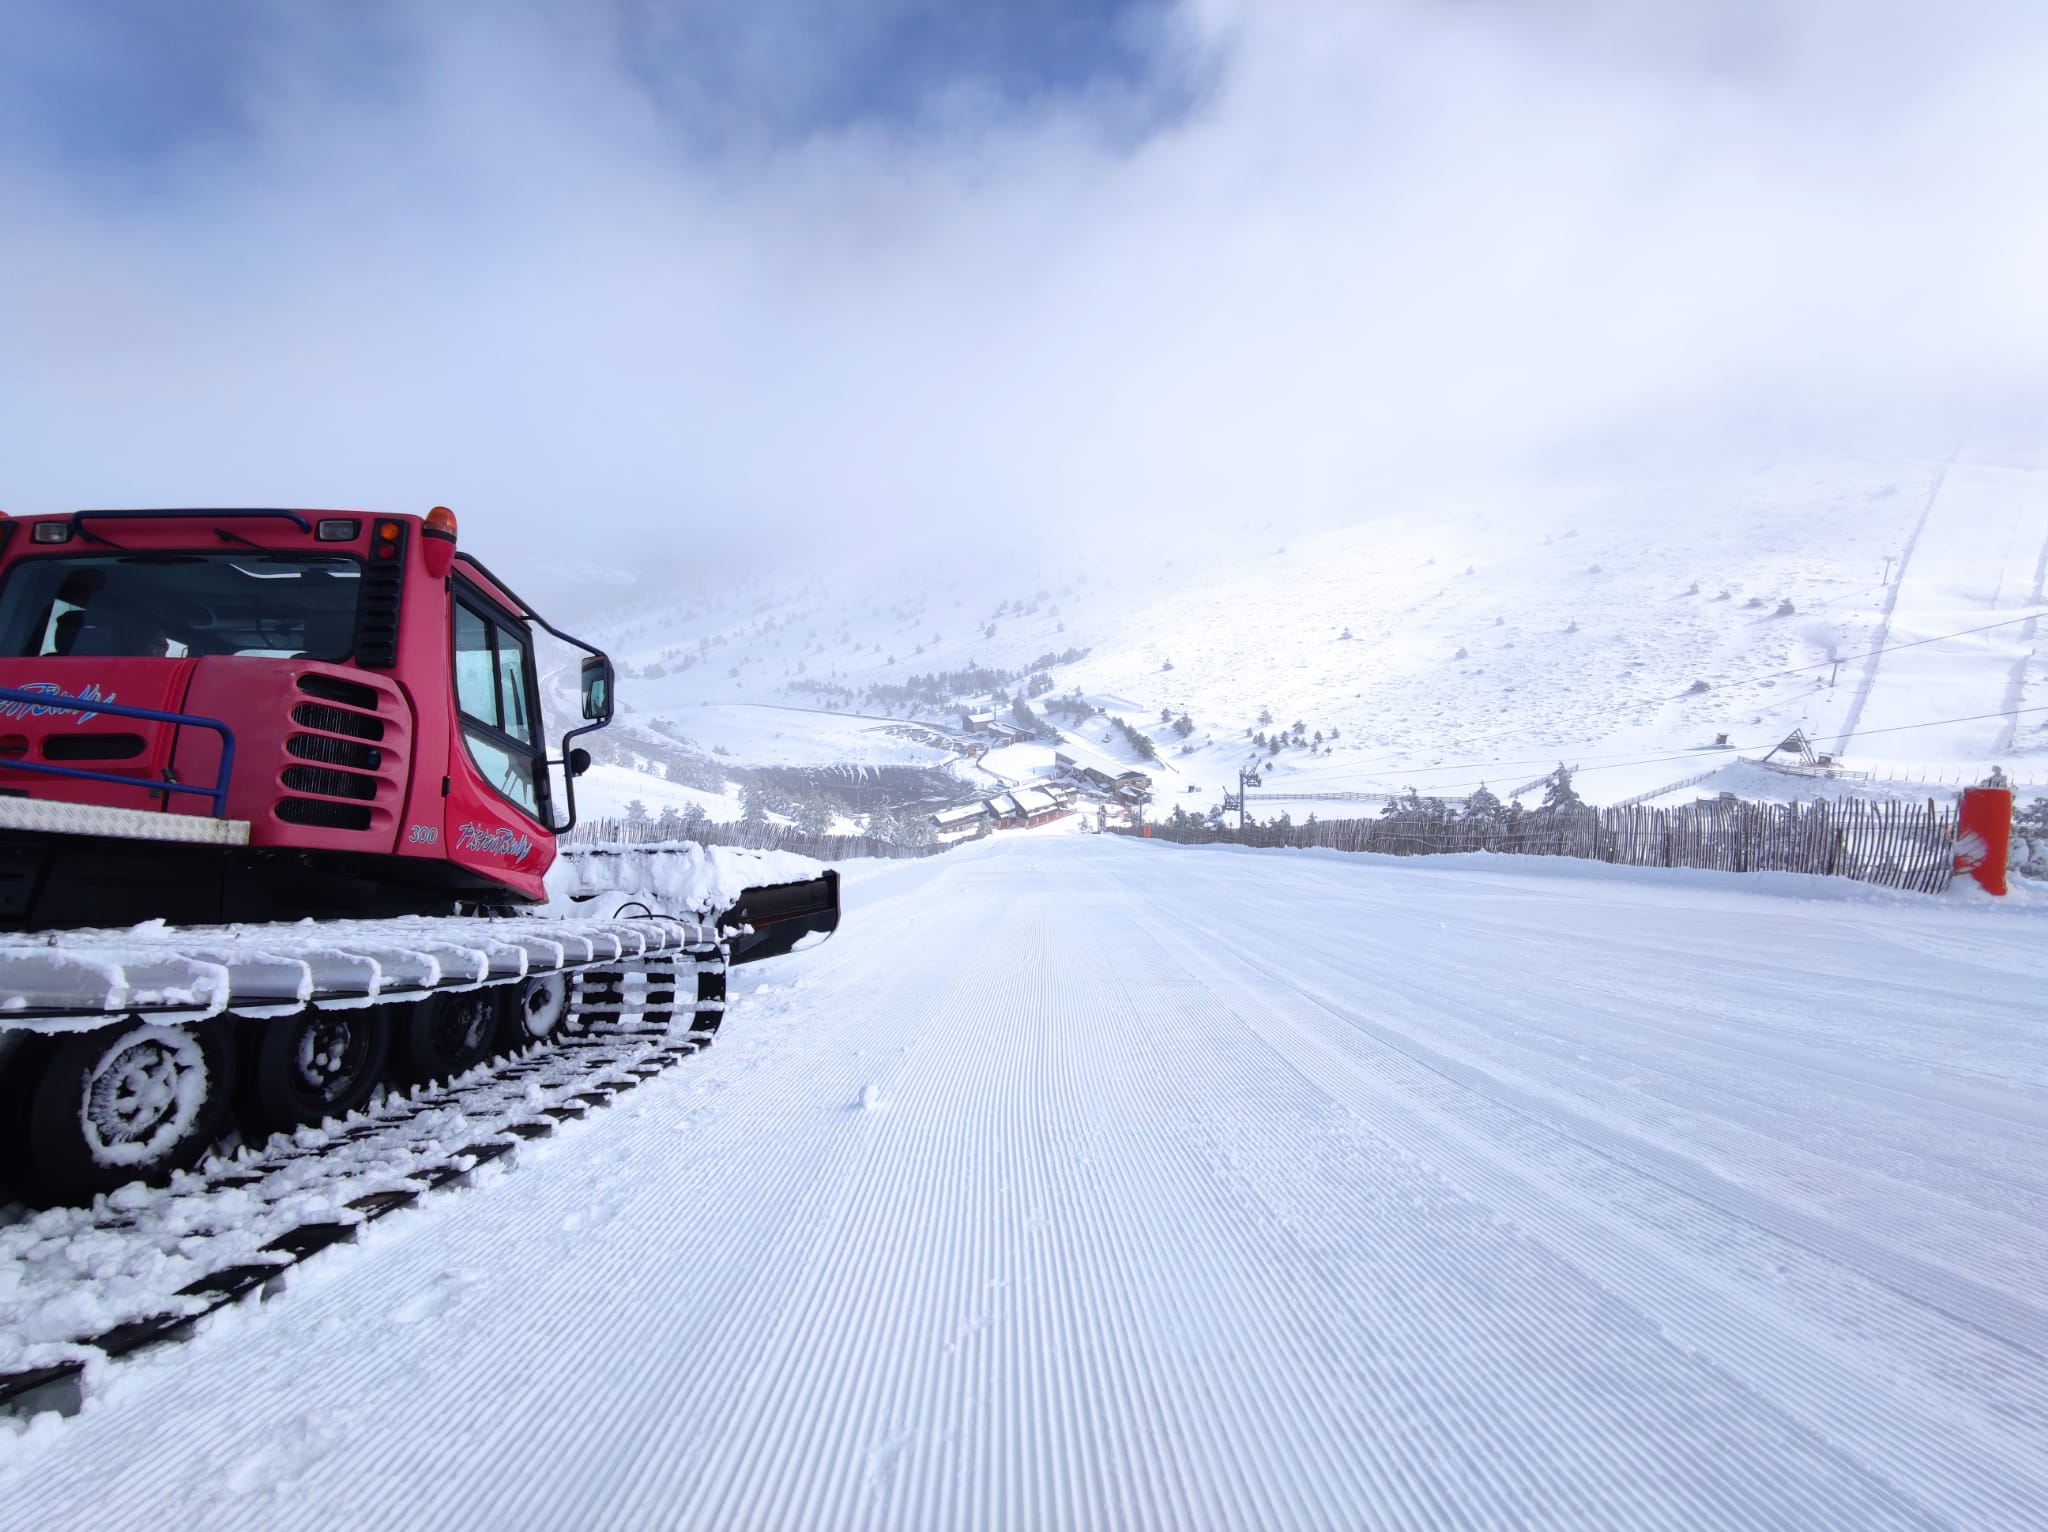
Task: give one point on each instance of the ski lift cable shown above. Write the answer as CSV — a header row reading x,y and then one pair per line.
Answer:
x,y
1622,759
1931,723
1334,771
1845,659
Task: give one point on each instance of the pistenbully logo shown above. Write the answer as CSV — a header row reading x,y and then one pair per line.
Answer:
x,y
493,840
87,693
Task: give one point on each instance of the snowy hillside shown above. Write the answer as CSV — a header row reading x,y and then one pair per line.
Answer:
x,y
1623,628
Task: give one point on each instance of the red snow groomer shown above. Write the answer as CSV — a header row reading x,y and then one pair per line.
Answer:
x,y
219,725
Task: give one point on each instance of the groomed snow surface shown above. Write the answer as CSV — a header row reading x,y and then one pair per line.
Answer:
x,y
1092,1183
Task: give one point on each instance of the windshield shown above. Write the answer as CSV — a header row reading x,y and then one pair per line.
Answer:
x,y
157,605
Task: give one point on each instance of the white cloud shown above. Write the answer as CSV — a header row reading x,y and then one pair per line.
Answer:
x,y
1388,243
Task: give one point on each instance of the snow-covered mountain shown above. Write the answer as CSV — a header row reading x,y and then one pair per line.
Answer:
x,y
1642,631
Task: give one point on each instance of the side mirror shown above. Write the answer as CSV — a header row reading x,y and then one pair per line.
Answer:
x,y
597,689
579,761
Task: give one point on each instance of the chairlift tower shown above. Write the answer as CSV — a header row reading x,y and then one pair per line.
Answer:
x,y
1245,779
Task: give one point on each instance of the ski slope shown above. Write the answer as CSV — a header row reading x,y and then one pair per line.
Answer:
x,y
1978,560
1085,1182
1622,626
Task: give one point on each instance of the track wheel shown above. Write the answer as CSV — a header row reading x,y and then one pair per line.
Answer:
x,y
446,1034
538,1013
309,1067
131,1102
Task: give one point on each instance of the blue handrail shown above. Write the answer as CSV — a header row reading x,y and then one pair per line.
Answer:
x,y
59,702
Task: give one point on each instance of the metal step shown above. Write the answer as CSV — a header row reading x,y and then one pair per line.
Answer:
x,y
49,816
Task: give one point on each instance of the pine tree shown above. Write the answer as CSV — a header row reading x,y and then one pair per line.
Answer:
x,y
1558,792
1484,814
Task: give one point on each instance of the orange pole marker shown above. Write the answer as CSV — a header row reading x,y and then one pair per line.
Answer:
x,y
1984,836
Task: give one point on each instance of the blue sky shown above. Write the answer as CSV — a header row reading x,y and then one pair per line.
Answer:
x,y
117,84
120,80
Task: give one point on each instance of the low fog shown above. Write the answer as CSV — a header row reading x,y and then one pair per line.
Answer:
x,y
641,270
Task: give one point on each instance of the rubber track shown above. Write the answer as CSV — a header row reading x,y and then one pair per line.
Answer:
x,y
235,1229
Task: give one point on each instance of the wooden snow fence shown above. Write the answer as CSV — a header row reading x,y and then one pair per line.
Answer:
x,y
1900,845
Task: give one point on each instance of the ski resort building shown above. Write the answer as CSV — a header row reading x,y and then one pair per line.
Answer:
x,y
991,728
1107,779
1021,808
1029,807
972,818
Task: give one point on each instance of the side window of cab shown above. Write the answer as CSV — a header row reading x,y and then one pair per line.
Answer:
x,y
497,701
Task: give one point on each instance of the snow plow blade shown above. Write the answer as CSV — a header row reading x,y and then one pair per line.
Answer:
x,y
774,918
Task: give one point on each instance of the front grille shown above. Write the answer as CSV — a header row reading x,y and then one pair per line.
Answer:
x,y
348,693
323,813
329,782
344,717
334,752
334,720
92,747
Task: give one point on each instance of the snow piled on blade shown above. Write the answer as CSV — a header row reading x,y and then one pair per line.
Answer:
x,y
684,877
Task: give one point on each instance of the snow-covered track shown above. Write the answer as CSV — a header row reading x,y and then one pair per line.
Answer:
x,y
144,1266
80,979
